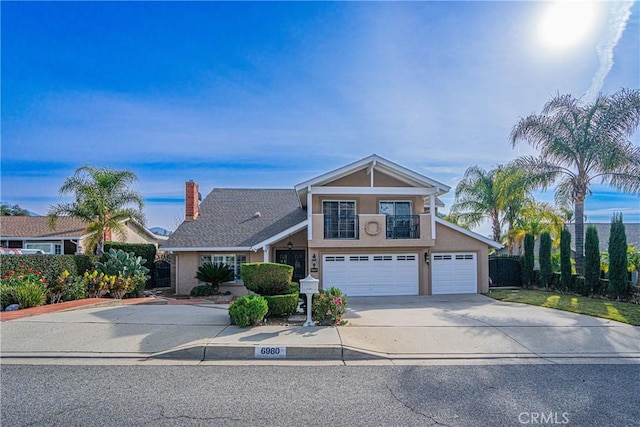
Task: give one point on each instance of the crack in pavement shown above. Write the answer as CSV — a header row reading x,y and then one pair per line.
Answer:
x,y
429,417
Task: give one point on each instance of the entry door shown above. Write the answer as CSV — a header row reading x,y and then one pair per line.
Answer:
x,y
297,259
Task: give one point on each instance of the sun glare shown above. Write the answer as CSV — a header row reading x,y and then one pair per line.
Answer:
x,y
565,23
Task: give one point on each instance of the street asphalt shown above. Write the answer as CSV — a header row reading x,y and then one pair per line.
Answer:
x,y
462,329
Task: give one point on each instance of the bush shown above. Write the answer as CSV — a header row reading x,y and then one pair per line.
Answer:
x,y
84,263
51,266
266,278
121,286
545,259
528,261
248,310
580,286
58,287
202,291
97,284
76,290
30,294
565,259
329,307
618,281
146,251
214,274
592,259
282,305
7,297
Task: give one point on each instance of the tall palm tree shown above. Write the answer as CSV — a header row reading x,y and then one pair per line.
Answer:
x,y
582,142
496,195
536,218
103,200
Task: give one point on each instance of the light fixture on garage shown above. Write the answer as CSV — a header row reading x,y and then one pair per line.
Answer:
x,y
289,245
314,261
426,258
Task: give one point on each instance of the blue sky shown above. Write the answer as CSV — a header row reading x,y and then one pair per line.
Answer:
x,y
271,94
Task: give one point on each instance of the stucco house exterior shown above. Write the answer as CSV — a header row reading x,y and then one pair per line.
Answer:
x,y
67,238
369,228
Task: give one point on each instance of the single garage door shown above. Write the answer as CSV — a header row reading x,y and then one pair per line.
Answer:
x,y
371,274
454,273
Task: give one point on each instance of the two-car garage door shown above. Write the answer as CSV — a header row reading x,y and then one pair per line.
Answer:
x,y
371,274
398,274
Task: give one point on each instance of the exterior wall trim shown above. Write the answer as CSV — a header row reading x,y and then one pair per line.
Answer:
x,y
403,191
210,249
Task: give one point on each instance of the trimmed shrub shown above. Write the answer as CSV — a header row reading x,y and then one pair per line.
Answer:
x,y
266,278
528,261
248,310
544,256
565,259
202,291
618,280
84,263
592,260
51,266
282,305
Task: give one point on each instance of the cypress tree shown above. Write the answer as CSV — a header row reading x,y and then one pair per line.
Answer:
x,y
565,259
544,256
592,260
618,284
528,260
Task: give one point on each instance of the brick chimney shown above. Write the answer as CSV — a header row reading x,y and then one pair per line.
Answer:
x,y
191,201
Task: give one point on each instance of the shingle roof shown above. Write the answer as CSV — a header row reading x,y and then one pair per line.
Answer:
x,y
632,230
228,218
38,226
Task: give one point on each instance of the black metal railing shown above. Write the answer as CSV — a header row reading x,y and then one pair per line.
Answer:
x,y
340,228
403,226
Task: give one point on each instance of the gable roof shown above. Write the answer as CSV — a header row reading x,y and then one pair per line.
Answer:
x,y
21,227
228,219
469,233
632,230
379,163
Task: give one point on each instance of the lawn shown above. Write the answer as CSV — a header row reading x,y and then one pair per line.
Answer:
x,y
619,311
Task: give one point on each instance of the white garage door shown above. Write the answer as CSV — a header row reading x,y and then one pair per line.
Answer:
x,y
453,273
371,274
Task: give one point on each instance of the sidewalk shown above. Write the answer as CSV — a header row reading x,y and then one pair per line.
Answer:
x,y
413,331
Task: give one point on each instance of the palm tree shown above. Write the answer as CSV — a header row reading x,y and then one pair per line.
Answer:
x,y
536,218
579,143
496,195
103,201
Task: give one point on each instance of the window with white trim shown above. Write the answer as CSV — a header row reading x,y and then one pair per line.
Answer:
x,y
232,260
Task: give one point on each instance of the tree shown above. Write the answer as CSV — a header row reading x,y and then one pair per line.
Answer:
x,y
579,143
15,210
565,259
618,283
545,259
536,218
528,260
103,200
592,259
496,195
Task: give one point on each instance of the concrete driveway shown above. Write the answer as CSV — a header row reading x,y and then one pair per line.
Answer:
x,y
453,325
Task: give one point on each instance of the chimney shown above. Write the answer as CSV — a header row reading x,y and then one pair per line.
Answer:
x,y
191,201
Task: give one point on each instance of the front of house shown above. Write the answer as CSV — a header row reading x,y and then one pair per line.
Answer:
x,y
369,228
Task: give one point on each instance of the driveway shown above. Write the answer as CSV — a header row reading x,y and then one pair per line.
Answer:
x,y
477,325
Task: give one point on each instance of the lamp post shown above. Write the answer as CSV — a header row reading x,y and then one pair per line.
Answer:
x,y
309,286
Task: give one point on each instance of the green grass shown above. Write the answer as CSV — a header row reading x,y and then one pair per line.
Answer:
x,y
618,311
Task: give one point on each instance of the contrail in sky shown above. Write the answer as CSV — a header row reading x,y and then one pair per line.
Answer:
x,y
618,18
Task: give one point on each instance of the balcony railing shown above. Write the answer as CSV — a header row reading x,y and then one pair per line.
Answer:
x,y
340,228
403,226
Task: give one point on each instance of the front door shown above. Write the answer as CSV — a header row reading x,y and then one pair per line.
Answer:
x,y
296,259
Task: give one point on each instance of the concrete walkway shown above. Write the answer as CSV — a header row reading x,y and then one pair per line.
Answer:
x,y
451,329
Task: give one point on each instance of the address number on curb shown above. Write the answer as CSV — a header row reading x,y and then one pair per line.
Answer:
x,y
271,352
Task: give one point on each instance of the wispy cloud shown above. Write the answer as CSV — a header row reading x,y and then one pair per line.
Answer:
x,y
618,18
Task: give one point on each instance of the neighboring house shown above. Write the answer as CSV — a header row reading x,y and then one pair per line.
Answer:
x,y
68,237
632,230
363,228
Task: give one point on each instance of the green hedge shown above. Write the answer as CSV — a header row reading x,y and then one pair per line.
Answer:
x,y
85,263
267,278
248,310
51,266
145,250
282,305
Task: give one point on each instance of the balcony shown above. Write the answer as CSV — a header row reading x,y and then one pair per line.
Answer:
x,y
340,228
403,226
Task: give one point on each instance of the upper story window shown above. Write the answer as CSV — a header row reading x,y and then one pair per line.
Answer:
x,y
340,219
395,208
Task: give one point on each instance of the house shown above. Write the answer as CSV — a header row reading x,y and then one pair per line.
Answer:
x,y
632,230
368,228
68,237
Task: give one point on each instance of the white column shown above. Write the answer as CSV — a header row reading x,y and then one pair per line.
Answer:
x,y
432,211
309,214
266,249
